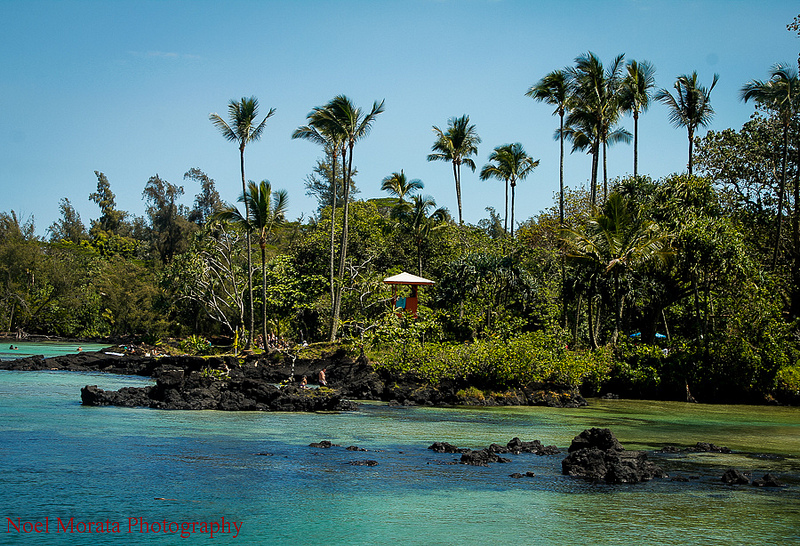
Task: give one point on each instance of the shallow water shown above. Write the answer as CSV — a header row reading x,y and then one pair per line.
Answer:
x,y
25,349
63,460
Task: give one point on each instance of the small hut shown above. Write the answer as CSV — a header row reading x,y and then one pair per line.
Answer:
x,y
406,303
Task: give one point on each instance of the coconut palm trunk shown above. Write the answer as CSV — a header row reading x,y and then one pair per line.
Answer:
x,y
513,187
333,222
251,314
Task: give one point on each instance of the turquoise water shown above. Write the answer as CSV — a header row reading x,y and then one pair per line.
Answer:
x,y
47,349
63,460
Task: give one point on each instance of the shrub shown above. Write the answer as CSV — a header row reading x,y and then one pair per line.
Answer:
x,y
493,363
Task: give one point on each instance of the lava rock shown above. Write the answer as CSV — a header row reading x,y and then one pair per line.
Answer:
x,y
482,458
324,444
368,462
768,481
600,438
733,476
596,454
444,447
518,446
705,447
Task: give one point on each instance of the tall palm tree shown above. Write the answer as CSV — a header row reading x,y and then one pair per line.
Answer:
x,y
780,94
322,131
350,124
398,185
456,145
690,107
416,217
595,110
243,129
614,241
266,210
635,98
554,89
509,163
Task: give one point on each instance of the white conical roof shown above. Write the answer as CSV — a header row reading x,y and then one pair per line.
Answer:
x,y
406,278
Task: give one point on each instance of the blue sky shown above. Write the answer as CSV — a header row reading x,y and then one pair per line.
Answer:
x,y
126,87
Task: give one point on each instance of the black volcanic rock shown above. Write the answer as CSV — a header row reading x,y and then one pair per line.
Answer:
x,y
518,446
733,476
177,390
596,454
482,458
768,481
444,447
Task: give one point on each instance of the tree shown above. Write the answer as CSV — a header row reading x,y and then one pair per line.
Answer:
x,y
206,203
243,129
323,131
635,98
321,185
612,242
779,94
511,163
456,145
111,220
265,211
554,89
169,226
349,124
398,185
690,107
210,275
69,227
594,107
416,218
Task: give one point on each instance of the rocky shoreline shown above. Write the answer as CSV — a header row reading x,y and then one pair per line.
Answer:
x,y
271,383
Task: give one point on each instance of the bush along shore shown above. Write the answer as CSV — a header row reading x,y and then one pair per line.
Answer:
x,y
273,382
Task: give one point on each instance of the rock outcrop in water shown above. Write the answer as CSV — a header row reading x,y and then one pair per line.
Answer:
x,y
351,378
175,390
596,454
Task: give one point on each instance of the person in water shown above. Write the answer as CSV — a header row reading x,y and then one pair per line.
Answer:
x,y
304,383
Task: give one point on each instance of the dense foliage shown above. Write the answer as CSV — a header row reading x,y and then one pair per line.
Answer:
x,y
683,286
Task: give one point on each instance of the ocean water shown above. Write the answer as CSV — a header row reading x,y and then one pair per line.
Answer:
x,y
152,476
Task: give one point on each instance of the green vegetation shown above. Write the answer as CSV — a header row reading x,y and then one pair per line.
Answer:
x,y
653,288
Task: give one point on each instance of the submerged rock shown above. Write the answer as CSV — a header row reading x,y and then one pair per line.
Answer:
x,y
368,462
705,447
324,444
768,481
596,454
733,476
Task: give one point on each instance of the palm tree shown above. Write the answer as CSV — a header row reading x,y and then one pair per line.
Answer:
x,y
635,98
350,124
594,111
243,129
554,89
614,241
779,93
456,145
398,185
417,218
321,131
266,210
510,163
690,107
